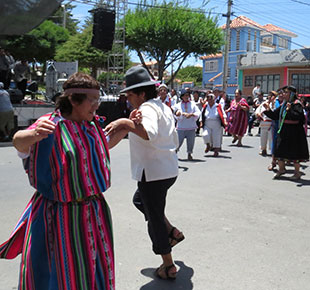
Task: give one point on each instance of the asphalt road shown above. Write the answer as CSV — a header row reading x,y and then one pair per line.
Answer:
x,y
244,231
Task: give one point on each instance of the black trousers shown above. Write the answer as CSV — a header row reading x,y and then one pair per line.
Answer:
x,y
150,199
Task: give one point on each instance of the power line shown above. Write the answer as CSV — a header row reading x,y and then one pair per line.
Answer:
x,y
260,28
292,28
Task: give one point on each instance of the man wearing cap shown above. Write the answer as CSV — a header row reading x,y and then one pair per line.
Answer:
x,y
187,115
163,95
154,164
6,114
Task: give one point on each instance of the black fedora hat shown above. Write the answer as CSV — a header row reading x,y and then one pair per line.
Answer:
x,y
136,77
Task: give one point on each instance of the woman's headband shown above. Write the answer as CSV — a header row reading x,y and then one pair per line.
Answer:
x,y
81,91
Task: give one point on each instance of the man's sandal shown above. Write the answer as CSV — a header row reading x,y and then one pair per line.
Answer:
x,y
175,239
164,272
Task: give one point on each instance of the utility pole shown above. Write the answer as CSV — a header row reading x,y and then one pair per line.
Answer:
x,y
64,15
226,50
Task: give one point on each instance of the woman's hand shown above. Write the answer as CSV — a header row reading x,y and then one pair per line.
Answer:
x,y
44,128
111,128
136,116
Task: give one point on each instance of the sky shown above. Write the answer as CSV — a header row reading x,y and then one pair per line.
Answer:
x,y
293,15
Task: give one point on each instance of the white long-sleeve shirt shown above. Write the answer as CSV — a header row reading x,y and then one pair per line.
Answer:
x,y
184,123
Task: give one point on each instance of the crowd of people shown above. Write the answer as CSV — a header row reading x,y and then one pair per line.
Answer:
x,y
18,71
65,233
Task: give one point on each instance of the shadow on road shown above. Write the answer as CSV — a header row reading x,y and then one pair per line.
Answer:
x,y
243,146
183,281
192,161
218,157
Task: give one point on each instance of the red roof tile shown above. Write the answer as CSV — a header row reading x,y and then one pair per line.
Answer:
x,y
217,55
242,21
274,28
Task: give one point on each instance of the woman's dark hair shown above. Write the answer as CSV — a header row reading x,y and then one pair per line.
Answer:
x,y
77,80
150,91
239,91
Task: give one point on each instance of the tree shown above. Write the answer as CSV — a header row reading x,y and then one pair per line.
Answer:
x,y
171,33
39,44
65,11
79,48
190,74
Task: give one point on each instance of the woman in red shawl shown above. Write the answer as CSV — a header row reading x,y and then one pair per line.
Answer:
x,y
238,118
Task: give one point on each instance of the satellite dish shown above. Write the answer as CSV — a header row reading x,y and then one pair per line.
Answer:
x,y
18,17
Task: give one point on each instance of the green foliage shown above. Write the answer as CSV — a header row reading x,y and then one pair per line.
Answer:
x,y
171,33
78,47
104,76
189,74
58,18
40,43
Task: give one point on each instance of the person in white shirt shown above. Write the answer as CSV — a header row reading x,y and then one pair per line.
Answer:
x,y
256,91
218,97
164,96
187,113
265,124
154,164
212,117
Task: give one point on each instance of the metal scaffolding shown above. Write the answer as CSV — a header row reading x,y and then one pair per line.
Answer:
x,y
116,59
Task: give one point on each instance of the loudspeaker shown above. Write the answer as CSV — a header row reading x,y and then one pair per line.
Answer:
x,y
103,29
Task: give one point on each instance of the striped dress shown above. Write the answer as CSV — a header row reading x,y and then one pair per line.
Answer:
x,y
238,118
65,232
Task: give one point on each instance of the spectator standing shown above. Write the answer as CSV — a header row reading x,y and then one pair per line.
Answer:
x,y
164,96
11,62
256,91
256,103
187,114
212,118
265,125
6,114
4,67
21,75
238,118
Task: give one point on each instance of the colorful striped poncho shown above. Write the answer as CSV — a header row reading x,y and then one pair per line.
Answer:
x,y
238,118
65,232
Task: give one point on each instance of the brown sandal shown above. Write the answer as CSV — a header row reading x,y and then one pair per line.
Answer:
x,y
164,273
272,166
175,239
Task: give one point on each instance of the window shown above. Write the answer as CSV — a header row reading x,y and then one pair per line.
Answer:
x,y
228,73
283,42
248,81
238,40
301,82
268,82
236,73
211,66
267,40
249,45
255,36
229,44
249,34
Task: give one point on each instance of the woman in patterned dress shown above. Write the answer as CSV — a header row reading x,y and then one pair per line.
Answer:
x,y
238,118
65,233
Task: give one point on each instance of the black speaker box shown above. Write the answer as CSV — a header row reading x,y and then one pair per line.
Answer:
x,y
103,29
16,96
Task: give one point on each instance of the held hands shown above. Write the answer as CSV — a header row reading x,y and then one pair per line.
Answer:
x,y
111,128
136,116
43,129
288,106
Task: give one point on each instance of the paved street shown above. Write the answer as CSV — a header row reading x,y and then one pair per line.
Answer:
x,y
244,231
